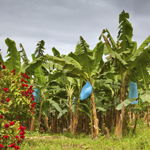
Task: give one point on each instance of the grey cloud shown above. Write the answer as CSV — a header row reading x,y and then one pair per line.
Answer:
x,y
60,22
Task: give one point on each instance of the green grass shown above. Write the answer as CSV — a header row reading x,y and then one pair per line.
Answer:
x,y
139,141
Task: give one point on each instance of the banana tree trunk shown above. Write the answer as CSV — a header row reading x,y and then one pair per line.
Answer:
x,y
55,122
75,117
61,124
32,122
100,120
86,124
120,113
95,119
46,123
70,107
39,120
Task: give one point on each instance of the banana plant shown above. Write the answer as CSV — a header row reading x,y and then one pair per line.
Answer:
x,y
70,89
129,62
85,64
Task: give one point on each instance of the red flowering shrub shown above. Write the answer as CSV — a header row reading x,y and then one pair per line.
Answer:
x,y
6,125
16,104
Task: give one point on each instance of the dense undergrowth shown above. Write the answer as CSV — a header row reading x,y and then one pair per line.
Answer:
x,y
47,141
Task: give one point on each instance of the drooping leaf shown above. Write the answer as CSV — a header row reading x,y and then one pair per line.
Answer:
x,y
146,96
126,103
62,113
100,109
35,64
53,103
140,58
142,47
143,74
66,65
54,76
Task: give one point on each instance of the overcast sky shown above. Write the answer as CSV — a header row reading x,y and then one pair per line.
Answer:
x,y
60,23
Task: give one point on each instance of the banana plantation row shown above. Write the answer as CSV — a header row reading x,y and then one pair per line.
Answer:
x,y
63,83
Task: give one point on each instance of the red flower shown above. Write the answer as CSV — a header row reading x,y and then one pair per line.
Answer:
x,y
22,133
22,136
0,63
14,73
12,123
8,99
13,70
1,116
13,81
4,67
21,128
17,117
27,77
26,85
5,89
22,80
6,136
12,145
25,81
18,141
23,85
0,138
16,147
6,125
17,136
32,105
5,109
24,76
1,146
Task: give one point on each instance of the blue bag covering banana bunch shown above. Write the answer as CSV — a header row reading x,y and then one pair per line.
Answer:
x,y
86,91
133,92
36,95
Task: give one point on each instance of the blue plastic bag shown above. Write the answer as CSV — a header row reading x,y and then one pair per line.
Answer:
x,y
86,91
133,92
36,96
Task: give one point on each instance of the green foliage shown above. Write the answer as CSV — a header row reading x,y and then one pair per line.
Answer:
x,y
38,72
12,63
56,52
15,105
40,49
18,103
126,102
24,56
